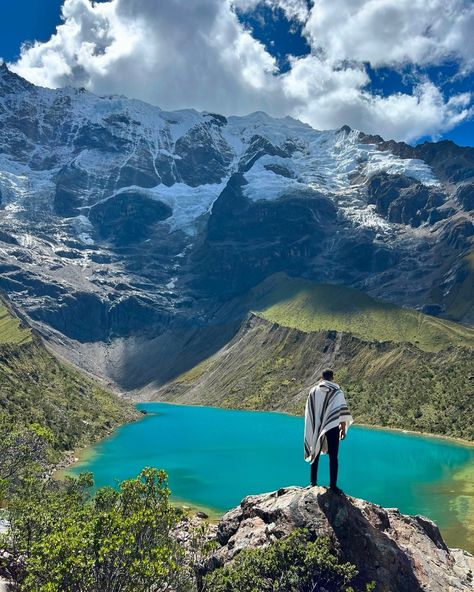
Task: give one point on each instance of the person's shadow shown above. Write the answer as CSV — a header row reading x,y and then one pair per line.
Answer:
x,y
376,555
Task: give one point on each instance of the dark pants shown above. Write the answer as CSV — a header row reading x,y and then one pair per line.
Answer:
x,y
333,448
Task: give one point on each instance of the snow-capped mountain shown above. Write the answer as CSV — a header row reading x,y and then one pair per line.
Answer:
x,y
120,222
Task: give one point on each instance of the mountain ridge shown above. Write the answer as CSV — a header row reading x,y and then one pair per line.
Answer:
x,y
37,388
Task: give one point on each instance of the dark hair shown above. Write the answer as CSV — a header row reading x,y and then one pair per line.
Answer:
x,y
328,374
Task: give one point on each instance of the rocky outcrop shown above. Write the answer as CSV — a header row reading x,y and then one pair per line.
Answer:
x,y
400,553
259,147
403,200
459,233
127,217
465,196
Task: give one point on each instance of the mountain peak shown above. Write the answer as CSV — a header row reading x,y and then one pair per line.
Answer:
x,y
10,82
4,71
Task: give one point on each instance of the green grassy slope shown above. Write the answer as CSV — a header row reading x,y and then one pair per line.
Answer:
x,y
298,328
35,387
11,329
307,306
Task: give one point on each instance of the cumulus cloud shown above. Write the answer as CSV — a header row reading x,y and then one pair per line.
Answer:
x,y
391,32
326,98
178,54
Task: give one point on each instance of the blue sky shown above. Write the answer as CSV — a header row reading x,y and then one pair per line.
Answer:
x,y
26,20
277,34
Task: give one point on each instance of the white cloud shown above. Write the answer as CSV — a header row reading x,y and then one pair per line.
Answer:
x,y
178,53
329,97
293,9
391,32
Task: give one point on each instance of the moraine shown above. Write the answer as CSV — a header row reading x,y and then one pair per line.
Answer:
x,y
215,457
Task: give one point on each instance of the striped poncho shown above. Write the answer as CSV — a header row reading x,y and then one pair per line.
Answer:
x,y
326,408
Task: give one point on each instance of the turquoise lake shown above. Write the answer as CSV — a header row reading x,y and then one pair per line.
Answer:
x,y
215,457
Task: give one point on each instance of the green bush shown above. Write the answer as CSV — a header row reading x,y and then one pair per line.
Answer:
x,y
292,564
61,539
25,452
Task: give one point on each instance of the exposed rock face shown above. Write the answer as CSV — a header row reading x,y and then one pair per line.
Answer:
x,y
400,553
127,217
403,200
465,196
246,241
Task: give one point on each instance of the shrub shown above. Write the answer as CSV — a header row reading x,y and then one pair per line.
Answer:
x,y
292,564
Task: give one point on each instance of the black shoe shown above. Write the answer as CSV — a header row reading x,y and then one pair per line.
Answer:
x,y
336,490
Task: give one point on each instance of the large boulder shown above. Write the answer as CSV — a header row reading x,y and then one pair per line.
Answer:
x,y
400,553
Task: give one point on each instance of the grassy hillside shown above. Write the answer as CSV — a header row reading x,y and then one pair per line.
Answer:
x,y
11,329
304,305
403,383
35,387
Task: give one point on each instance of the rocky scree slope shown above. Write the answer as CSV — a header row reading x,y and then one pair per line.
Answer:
x,y
125,230
399,553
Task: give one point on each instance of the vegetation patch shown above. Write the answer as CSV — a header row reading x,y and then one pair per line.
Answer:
x,y
11,328
291,564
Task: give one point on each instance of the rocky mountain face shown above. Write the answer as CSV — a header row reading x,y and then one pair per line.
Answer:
x,y
397,552
127,232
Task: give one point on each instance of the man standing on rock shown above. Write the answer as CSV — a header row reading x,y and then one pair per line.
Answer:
x,y
326,421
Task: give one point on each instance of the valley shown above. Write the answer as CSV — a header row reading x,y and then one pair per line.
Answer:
x,y
393,363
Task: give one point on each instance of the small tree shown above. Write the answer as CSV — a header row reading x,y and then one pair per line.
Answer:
x,y
24,452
